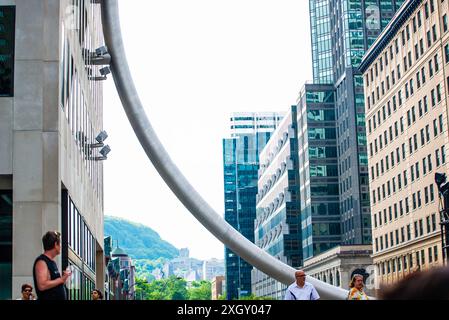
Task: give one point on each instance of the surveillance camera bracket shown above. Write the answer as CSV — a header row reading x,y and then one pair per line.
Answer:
x,y
98,78
96,145
98,158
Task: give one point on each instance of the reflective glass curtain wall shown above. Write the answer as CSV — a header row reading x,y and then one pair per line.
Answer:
x,y
349,28
78,250
5,244
357,25
318,173
7,37
321,36
241,165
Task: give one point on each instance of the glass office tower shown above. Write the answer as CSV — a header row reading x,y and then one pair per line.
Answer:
x,y
318,173
277,226
250,133
342,31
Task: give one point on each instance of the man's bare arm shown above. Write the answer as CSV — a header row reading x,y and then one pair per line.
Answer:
x,y
43,277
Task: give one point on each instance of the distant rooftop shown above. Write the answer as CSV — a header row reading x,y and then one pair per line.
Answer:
x,y
119,252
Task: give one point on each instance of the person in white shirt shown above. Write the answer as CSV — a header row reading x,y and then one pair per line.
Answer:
x,y
301,290
27,292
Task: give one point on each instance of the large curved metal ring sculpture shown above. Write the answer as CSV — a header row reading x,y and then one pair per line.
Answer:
x,y
173,177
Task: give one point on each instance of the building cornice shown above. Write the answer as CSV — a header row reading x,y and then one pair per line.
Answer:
x,y
390,31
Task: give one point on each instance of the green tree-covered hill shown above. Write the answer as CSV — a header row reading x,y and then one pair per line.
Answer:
x,y
141,243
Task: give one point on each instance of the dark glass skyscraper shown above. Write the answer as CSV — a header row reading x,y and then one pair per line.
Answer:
x,y
318,173
249,134
342,31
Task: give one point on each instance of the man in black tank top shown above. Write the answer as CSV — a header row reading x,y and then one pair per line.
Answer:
x,y
48,281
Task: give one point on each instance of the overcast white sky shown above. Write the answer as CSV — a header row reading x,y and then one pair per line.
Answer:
x,y
194,63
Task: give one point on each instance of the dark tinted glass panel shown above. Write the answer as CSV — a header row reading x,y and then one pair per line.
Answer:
x,y
5,244
7,32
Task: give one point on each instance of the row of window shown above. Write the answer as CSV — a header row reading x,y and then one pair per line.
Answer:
x,y
79,286
404,234
405,37
406,262
80,98
438,128
423,104
403,206
434,67
80,238
436,95
394,157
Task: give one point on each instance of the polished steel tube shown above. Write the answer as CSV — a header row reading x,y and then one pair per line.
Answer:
x,y
173,177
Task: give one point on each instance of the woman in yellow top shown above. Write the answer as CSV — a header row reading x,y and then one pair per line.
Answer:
x,y
356,288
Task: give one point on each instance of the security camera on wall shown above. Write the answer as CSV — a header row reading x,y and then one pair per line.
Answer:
x,y
105,151
102,136
101,51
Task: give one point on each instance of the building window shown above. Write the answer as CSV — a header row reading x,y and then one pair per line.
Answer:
x,y
434,33
445,23
435,62
6,252
416,229
438,93
7,32
407,207
446,53
443,155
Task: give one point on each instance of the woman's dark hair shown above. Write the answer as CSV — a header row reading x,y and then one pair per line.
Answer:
x,y
50,238
100,295
420,285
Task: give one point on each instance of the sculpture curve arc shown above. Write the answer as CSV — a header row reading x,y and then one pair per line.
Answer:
x,y
173,177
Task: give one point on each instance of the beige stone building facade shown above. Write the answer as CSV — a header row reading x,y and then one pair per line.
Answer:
x,y
49,119
337,266
406,83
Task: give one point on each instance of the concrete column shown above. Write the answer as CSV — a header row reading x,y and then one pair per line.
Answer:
x,y
334,276
345,277
99,273
35,147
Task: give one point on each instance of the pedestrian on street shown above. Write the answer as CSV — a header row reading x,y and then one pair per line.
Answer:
x,y
356,288
301,290
97,295
27,292
48,281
